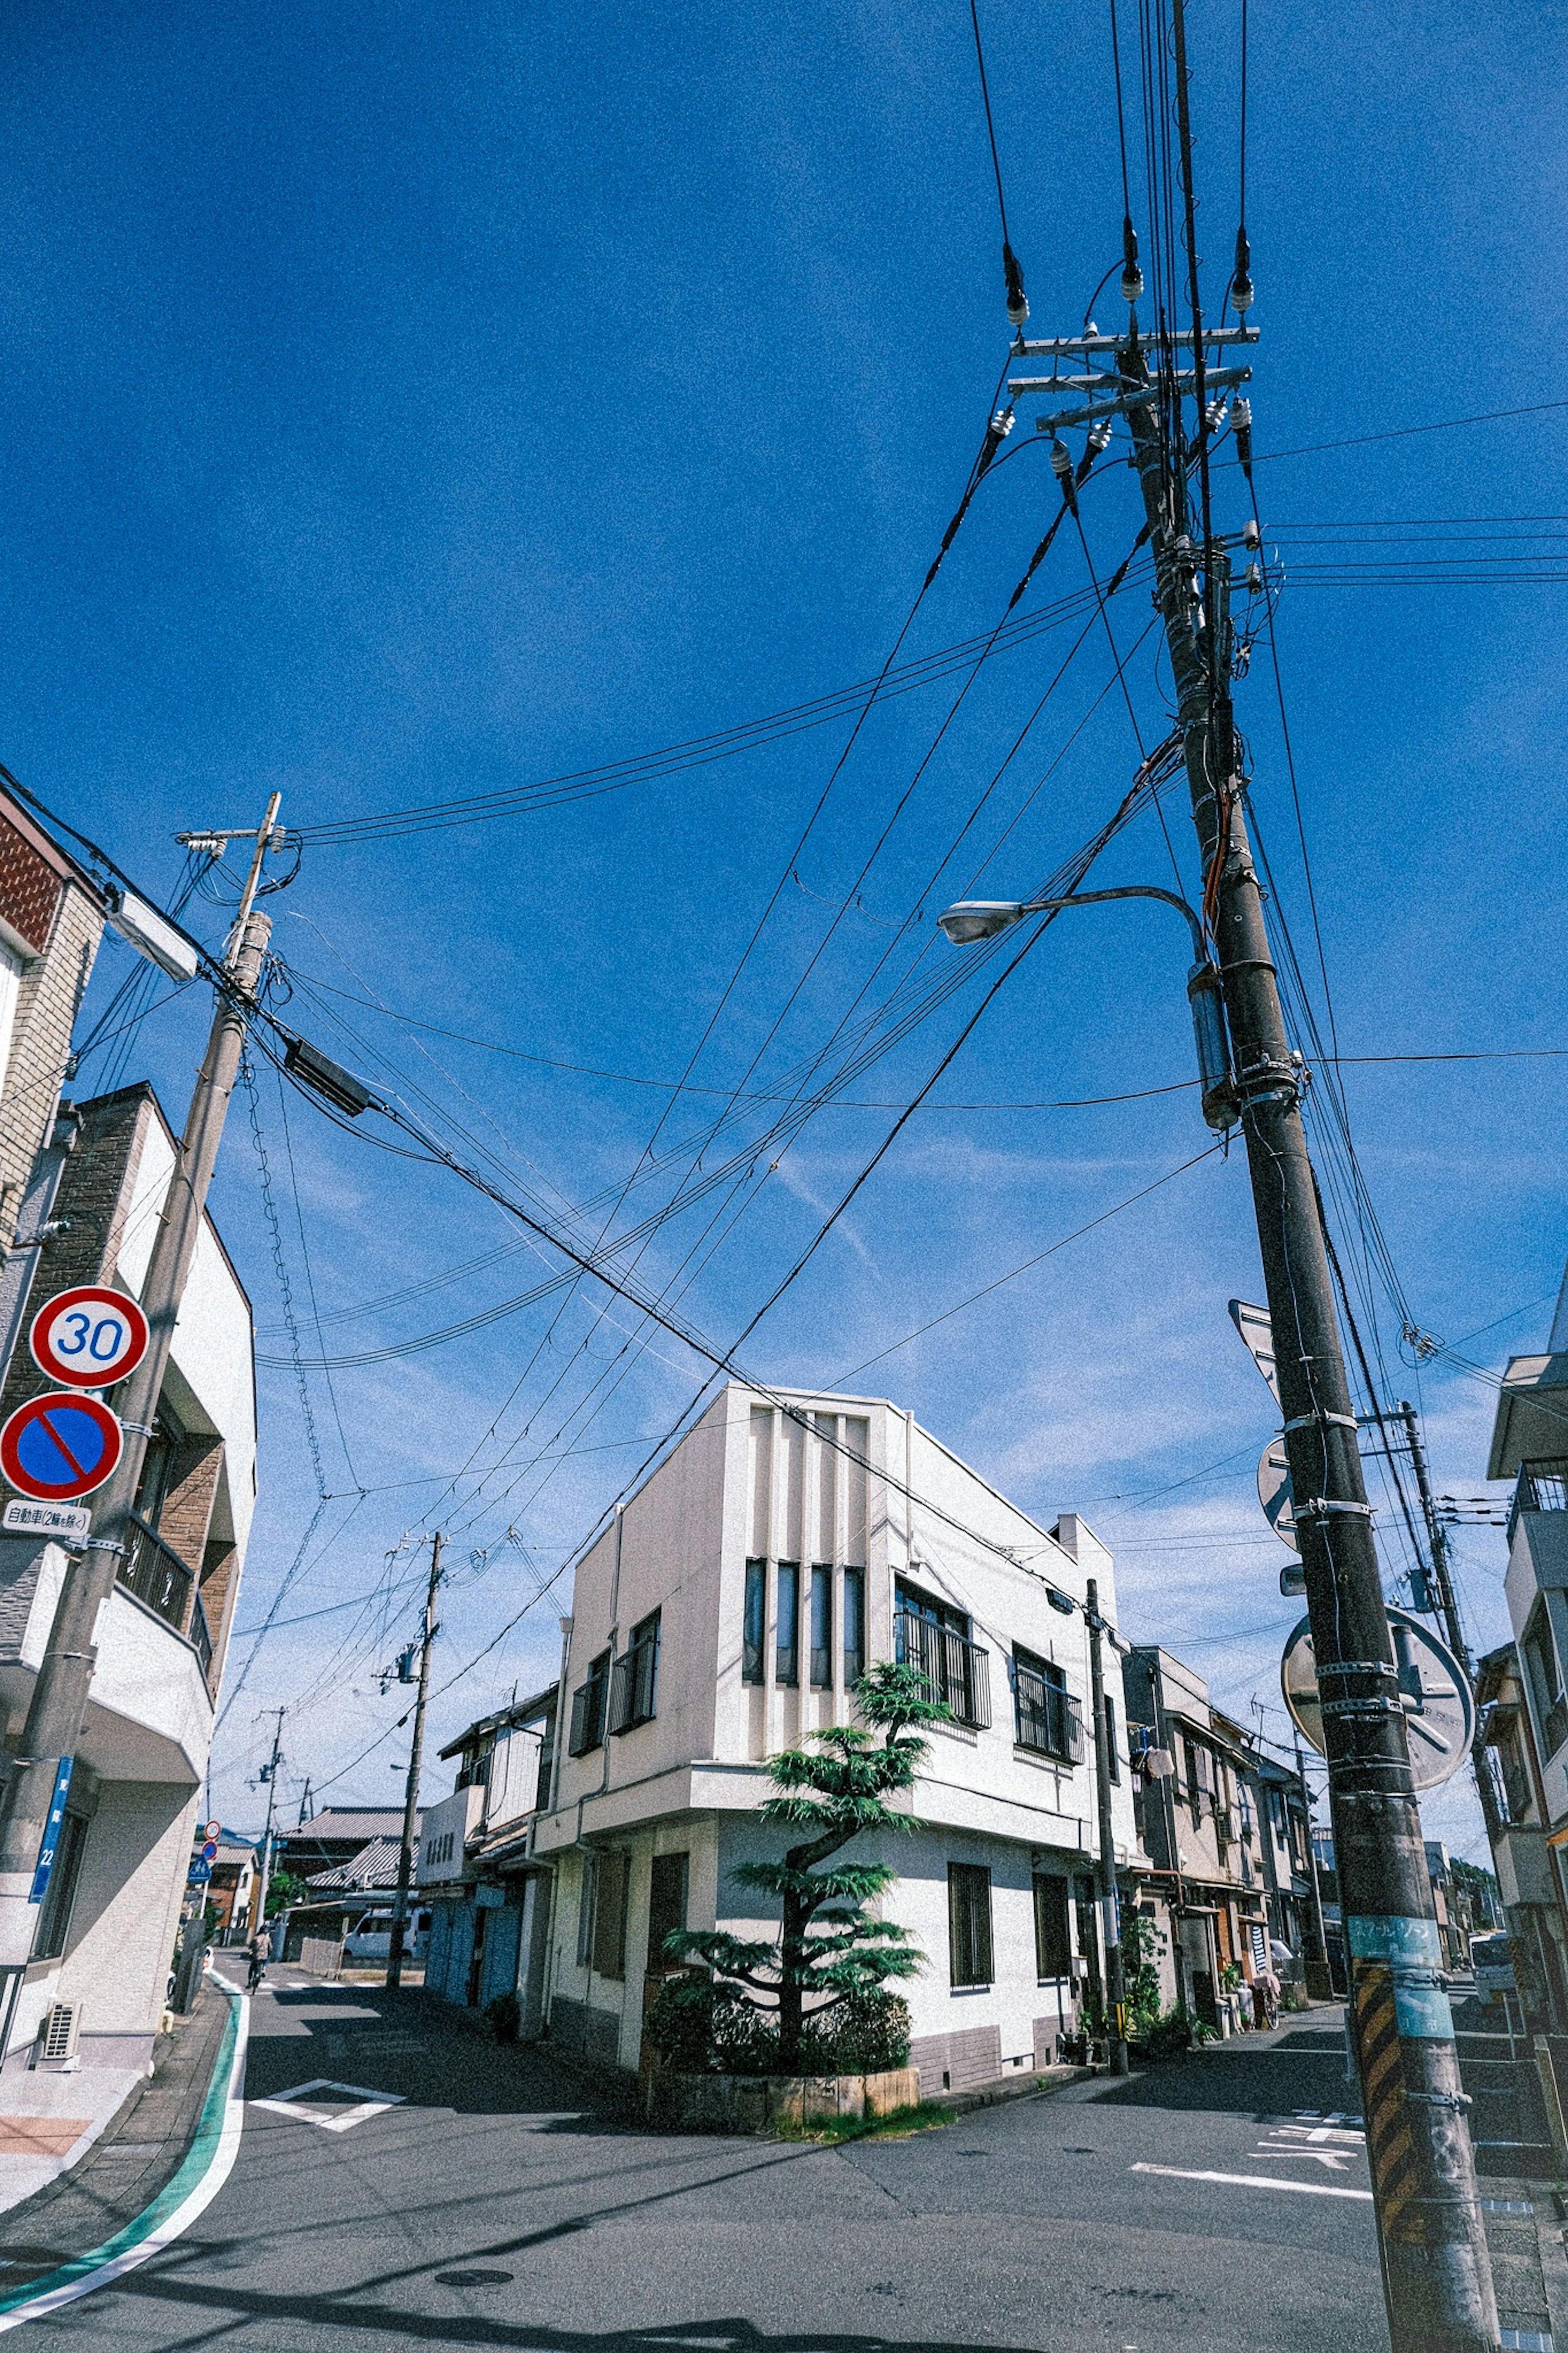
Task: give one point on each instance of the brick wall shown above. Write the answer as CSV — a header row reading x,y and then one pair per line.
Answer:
x,y
94,1192
49,1000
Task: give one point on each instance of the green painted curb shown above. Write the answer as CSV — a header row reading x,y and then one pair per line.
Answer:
x,y
175,2191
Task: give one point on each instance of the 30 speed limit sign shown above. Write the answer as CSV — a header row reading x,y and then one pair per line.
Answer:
x,y
89,1337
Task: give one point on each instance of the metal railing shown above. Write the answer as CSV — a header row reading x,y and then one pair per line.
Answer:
x,y
956,1670
1542,1487
1045,1716
156,1575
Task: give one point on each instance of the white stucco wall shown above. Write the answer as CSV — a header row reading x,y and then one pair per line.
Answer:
x,y
213,1345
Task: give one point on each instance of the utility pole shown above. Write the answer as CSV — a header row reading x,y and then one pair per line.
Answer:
x,y
411,1795
1436,1541
1319,1976
270,1776
58,1709
1436,2274
1109,1902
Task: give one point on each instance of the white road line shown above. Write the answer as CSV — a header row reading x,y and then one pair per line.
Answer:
x,y
1258,2181
178,2204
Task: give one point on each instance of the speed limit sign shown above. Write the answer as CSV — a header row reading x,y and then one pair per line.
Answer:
x,y
89,1337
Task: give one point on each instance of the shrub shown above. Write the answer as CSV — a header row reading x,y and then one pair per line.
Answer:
x,y
1170,2033
504,2017
867,2034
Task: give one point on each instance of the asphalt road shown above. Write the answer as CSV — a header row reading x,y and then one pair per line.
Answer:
x,y
488,2207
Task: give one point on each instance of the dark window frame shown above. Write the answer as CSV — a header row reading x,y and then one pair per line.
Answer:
x,y
1049,1888
590,1708
755,1624
822,1625
786,1655
1045,1718
635,1694
853,1613
59,1897
971,1946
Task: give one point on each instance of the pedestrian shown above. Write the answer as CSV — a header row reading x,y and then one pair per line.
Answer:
x,y
257,1949
1265,1998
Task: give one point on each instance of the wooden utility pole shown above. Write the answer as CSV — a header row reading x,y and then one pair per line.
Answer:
x,y
411,1792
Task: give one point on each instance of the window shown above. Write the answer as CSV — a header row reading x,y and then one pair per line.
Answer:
x,y
611,1872
55,1915
754,1623
1546,1675
934,1638
1197,1778
636,1693
585,1909
1053,1944
822,1627
588,1707
1044,1714
854,1627
786,1665
665,1905
1113,1757
969,1924
546,1763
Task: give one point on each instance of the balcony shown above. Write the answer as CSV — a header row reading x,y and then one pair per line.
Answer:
x,y
957,1671
157,1576
1542,1487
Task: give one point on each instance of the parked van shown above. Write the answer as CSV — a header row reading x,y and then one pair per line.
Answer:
x,y
1491,1958
369,1939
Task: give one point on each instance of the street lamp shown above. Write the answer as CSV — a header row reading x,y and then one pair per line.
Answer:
x,y
983,919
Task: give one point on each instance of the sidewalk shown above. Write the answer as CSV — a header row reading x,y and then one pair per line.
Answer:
x,y
132,2154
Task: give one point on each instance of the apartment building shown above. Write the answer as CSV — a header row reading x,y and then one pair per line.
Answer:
x,y
106,1930
1205,1883
1525,1702
782,1548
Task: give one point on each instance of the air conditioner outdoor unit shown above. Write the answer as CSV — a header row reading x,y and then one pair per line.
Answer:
x,y
57,2038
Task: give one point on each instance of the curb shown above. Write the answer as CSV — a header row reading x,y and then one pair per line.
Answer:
x,y
207,2164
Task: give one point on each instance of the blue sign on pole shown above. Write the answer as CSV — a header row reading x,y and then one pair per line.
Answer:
x,y
199,1873
49,1845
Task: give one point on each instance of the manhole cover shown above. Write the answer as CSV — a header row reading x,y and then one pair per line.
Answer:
x,y
473,2279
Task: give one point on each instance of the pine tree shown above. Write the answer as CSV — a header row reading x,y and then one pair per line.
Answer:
x,y
828,1952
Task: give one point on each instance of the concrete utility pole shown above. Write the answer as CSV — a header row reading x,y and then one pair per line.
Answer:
x,y
1109,1902
1319,1976
411,1795
1435,2268
58,1709
273,1763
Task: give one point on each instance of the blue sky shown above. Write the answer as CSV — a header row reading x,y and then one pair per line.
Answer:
x,y
408,404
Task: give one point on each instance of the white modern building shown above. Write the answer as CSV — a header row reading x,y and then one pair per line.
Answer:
x,y
779,1549
105,1935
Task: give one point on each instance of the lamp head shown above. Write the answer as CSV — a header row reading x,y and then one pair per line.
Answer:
x,y
978,919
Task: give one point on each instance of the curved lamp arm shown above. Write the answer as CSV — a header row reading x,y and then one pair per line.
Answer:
x,y
982,919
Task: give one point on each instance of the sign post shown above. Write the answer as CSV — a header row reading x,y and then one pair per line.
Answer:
x,y
52,1828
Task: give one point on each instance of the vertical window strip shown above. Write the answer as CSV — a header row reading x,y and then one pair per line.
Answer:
x,y
822,1627
854,1627
786,1668
755,1623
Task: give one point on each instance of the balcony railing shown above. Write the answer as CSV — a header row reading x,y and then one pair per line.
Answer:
x,y
1542,1487
155,1575
1046,1716
956,1670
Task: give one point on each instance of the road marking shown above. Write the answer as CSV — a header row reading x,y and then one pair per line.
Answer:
x,y
1258,2181
304,2111
207,2165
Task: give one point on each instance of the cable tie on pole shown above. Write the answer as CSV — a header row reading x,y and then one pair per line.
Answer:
x,y
1311,1420
1317,1507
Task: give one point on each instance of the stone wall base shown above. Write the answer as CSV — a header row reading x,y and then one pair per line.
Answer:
x,y
755,2104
